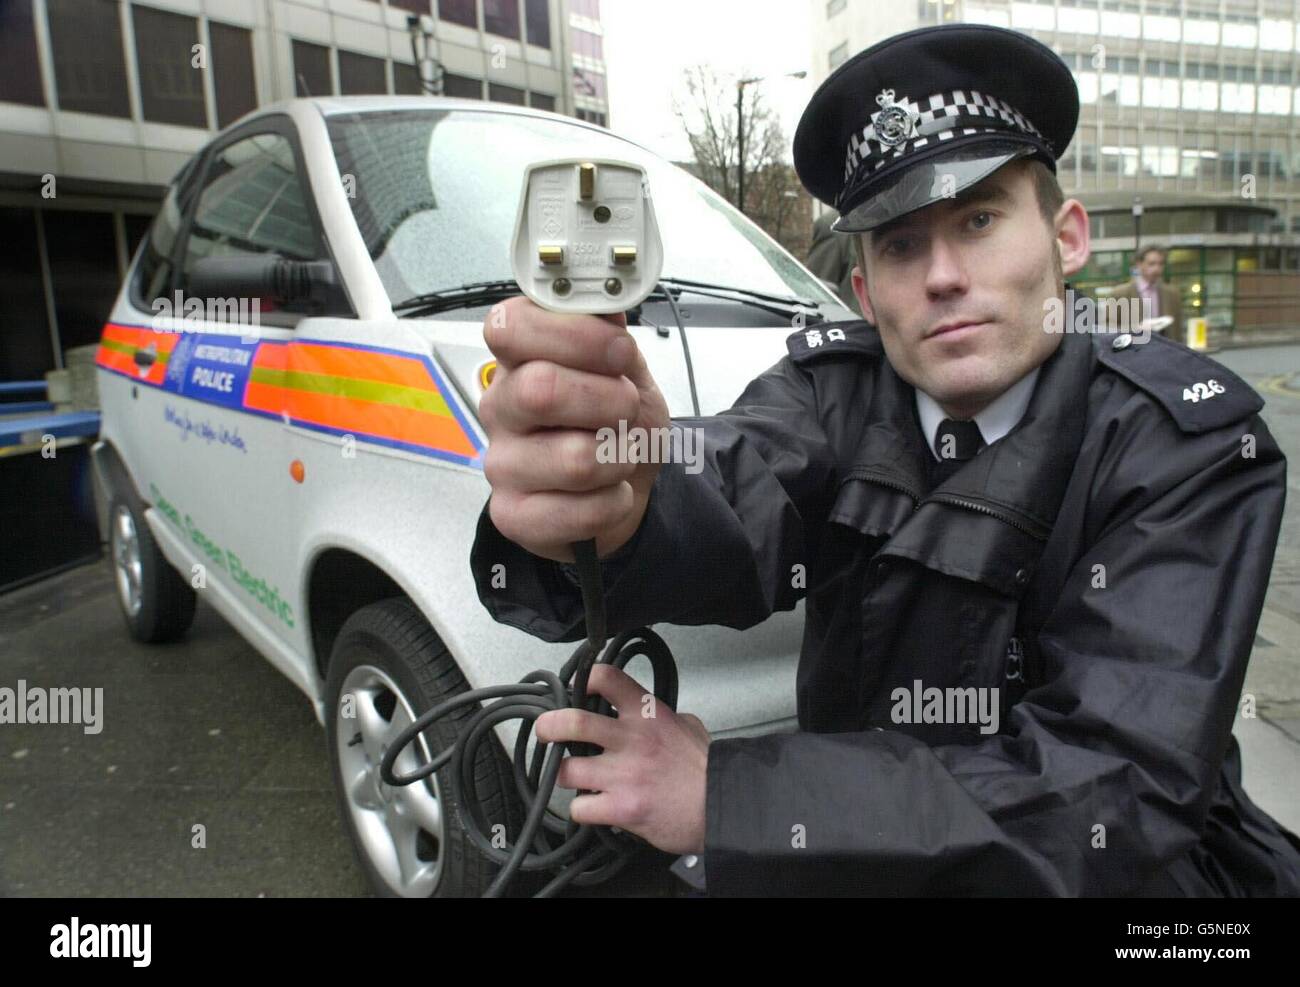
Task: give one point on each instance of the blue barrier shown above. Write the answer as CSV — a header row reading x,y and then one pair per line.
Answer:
x,y
23,387
24,407
14,431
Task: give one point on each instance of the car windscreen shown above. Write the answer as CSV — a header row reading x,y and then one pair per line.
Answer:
x,y
435,195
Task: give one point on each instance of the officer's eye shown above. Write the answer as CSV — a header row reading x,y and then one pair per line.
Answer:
x,y
897,246
982,220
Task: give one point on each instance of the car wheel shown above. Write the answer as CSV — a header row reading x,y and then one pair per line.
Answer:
x,y
387,668
155,600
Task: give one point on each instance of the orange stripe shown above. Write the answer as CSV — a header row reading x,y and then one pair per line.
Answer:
x,y
124,364
272,356
368,417
113,360
359,364
164,342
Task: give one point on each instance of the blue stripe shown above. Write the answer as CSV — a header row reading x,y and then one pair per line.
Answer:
x,y
448,392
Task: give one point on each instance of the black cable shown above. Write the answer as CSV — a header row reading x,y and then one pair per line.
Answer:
x,y
583,855
686,349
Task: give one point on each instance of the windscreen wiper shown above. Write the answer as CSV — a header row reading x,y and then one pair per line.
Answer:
x,y
748,292
776,304
489,292
465,296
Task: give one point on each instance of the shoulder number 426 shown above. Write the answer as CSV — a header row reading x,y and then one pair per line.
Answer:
x,y
1199,390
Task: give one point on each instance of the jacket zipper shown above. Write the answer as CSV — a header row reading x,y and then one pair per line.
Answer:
x,y
863,473
866,473
1034,532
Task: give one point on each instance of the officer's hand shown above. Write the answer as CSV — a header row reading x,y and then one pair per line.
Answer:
x,y
559,379
651,777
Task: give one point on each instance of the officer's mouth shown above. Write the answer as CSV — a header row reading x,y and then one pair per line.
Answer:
x,y
952,331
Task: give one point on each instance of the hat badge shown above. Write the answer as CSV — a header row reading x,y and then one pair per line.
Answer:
x,y
894,123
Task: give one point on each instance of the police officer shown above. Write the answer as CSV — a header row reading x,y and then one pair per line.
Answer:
x,y
1035,558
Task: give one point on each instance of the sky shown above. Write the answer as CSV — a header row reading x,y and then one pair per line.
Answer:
x,y
650,43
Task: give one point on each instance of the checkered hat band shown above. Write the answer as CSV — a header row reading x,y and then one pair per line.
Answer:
x,y
934,119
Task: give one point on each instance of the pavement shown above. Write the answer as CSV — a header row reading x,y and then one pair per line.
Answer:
x,y
204,733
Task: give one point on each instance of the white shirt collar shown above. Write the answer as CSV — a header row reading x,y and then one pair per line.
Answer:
x,y
995,421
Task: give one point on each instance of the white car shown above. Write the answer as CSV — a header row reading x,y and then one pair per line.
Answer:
x,y
289,382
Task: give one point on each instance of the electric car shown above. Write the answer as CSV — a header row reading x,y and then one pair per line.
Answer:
x,y
289,381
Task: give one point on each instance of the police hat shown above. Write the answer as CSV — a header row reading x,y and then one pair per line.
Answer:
x,y
922,115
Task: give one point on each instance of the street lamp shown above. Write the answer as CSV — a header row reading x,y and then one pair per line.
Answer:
x,y
740,131
420,28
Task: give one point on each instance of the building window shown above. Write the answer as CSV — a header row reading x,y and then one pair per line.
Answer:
x,y
541,101
311,70
232,71
501,17
88,78
253,204
1200,30
25,348
505,94
1076,20
462,86
835,7
20,69
537,22
996,16
458,12
414,6
1033,17
406,80
361,75
83,272
171,86
837,55
587,83
588,44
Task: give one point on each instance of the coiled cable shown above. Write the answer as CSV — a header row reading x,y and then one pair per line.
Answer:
x,y
581,854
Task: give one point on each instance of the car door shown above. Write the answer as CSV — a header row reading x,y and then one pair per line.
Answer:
x,y
232,481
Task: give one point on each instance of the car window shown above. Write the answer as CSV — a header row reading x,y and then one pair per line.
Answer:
x,y
153,273
252,202
435,194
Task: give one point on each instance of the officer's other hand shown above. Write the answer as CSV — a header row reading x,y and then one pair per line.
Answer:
x,y
651,776
559,380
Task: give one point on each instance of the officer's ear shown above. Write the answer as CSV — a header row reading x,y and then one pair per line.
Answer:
x,y
1073,242
859,280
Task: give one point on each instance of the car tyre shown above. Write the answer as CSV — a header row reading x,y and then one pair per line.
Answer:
x,y
156,602
388,667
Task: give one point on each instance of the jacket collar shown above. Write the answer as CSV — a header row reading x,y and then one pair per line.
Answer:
x,y
990,520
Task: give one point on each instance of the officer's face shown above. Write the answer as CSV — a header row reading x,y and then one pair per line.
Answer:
x,y
985,261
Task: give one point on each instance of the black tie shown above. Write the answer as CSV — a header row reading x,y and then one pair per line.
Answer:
x,y
955,442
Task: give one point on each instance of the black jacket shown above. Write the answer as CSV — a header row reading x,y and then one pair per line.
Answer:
x,y
1103,566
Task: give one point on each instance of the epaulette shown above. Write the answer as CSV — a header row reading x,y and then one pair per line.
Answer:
x,y
830,339
1200,393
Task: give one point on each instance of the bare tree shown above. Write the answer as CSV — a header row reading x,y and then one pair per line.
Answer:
x,y
708,117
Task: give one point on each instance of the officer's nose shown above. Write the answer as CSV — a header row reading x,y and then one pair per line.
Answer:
x,y
945,271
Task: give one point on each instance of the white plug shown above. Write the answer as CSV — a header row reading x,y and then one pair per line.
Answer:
x,y
586,239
